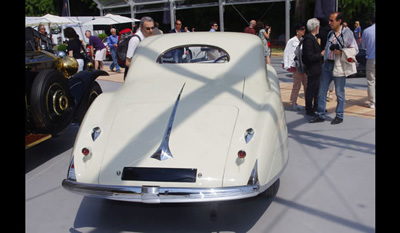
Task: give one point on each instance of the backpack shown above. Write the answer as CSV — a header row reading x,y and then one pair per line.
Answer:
x,y
123,42
301,67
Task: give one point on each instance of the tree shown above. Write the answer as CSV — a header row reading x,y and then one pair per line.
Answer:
x,y
354,10
40,7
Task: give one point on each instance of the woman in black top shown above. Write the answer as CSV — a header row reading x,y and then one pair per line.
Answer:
x,y
74,46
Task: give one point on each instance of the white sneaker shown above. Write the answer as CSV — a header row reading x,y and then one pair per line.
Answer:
x,y
372,106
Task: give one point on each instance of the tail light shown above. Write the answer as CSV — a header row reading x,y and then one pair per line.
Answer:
x,y
71,171
85,151
242,154
253,180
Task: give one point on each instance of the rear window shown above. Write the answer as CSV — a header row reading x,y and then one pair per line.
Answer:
x,y
194,54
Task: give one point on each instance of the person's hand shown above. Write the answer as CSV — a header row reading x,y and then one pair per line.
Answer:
x,y
337,52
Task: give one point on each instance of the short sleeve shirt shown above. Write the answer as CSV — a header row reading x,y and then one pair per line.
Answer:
x,y
133,43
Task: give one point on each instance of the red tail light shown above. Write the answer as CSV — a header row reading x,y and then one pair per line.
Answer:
x,y
242,154
85,151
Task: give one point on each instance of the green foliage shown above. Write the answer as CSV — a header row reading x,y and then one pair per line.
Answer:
x,y
54,7
102,36
354,10
39,7
62,47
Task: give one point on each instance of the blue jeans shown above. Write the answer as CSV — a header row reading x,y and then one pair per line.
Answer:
x,y
326,79
113,51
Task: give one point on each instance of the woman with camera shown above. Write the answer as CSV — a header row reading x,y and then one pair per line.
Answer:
x,y
339,62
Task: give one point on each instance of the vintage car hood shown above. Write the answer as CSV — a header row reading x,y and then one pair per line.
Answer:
x,y
199,139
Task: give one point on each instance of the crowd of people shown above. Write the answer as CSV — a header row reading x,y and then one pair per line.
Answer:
x,y
327,53
329,56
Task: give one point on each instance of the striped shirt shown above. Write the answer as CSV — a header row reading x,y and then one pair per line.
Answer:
x,y
346,40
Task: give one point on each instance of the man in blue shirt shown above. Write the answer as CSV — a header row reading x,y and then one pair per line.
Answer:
x,y
112,43
368,42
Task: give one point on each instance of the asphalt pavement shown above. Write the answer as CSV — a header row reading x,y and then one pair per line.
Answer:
x,y
328,186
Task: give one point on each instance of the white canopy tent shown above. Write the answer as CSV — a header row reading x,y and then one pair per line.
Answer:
x,y
111,19
49,19
140,6
76,22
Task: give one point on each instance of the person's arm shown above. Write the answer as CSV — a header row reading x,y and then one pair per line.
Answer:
x,y
92,51
349,40
267,33
133,43
110,42
128,61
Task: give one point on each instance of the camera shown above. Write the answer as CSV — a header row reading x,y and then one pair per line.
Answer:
x,y
335,47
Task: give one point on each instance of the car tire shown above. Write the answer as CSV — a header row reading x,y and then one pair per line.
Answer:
x,y
51,102
94,91
272,190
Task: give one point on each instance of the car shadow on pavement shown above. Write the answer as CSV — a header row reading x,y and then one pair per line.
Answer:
x,y
45,151
115,216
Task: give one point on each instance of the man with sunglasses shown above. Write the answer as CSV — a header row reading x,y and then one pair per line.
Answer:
x,y
340,41
145,30
178,27
178,53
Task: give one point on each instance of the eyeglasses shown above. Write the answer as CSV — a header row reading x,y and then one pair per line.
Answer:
x,y
149,28
215,25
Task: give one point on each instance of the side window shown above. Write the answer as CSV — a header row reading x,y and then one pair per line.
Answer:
x,y
194,54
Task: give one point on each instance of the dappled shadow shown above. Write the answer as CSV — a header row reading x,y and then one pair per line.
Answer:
x,y
325,215
35,157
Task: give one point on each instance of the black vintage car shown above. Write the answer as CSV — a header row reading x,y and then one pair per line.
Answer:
x,y
55,94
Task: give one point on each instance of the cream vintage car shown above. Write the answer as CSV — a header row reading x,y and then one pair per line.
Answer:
x,y
199,118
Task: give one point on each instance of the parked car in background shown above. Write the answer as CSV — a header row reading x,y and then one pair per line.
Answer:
x,y
108,53
55,94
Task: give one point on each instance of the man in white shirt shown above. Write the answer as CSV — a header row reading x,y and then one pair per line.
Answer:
x,y
145,30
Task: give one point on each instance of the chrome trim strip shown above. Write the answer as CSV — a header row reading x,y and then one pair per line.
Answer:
x,y
155,194
163,152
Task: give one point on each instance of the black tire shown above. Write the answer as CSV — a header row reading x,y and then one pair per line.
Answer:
x,y
272,190
94,91
52,104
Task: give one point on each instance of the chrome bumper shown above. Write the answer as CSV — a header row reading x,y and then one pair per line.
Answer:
x,y
155,194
